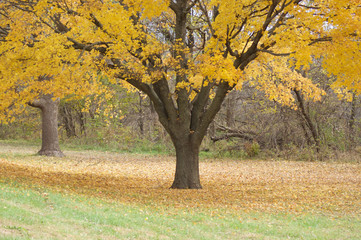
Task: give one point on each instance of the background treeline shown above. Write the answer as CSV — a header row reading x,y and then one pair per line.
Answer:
x,y
248,125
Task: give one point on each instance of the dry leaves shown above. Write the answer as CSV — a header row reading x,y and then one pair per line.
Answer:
x,y
227,184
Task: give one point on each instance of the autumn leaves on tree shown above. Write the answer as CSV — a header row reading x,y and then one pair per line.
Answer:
x,y
186,56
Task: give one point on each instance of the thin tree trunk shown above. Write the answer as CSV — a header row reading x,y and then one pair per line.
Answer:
x,y
49,136
187,166
351,122
67,119
308,120
230,109
82,122
307,136
212,130
141,116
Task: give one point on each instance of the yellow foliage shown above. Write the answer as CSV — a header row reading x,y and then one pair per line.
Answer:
x,y
72,42
278,80
37,61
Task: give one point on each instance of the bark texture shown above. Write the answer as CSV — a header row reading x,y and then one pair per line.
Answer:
x,y
49,117
187,166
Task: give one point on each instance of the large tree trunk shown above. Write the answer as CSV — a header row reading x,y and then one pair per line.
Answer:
x,y
187,165
49,116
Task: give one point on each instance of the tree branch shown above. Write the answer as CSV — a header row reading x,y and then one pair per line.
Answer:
x,y
221,92
199,105
276,54
161,88
173,6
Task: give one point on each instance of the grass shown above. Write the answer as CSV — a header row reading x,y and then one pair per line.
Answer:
x,y
42,214
142,146
218,150
114,147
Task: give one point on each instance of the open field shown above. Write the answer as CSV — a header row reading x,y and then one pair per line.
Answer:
x,y
264,199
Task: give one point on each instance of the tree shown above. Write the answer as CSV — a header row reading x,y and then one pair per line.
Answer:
x,y
186,56
49,115
34,71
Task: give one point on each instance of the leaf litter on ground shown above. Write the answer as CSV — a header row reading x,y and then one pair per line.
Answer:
x,y
247,185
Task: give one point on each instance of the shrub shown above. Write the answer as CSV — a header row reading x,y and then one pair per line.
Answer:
x,y
252,149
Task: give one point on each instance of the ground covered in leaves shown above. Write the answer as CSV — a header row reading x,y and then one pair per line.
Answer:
x,y
228,185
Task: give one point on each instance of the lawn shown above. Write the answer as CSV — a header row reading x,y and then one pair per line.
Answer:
x,y
97,195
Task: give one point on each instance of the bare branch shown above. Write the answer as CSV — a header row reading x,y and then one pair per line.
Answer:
x,y
323,39
205,12
276,54
191,5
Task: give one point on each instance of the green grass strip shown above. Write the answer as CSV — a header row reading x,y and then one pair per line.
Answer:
x,y
40,214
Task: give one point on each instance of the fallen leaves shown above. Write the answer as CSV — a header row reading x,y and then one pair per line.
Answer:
x,y
227,184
